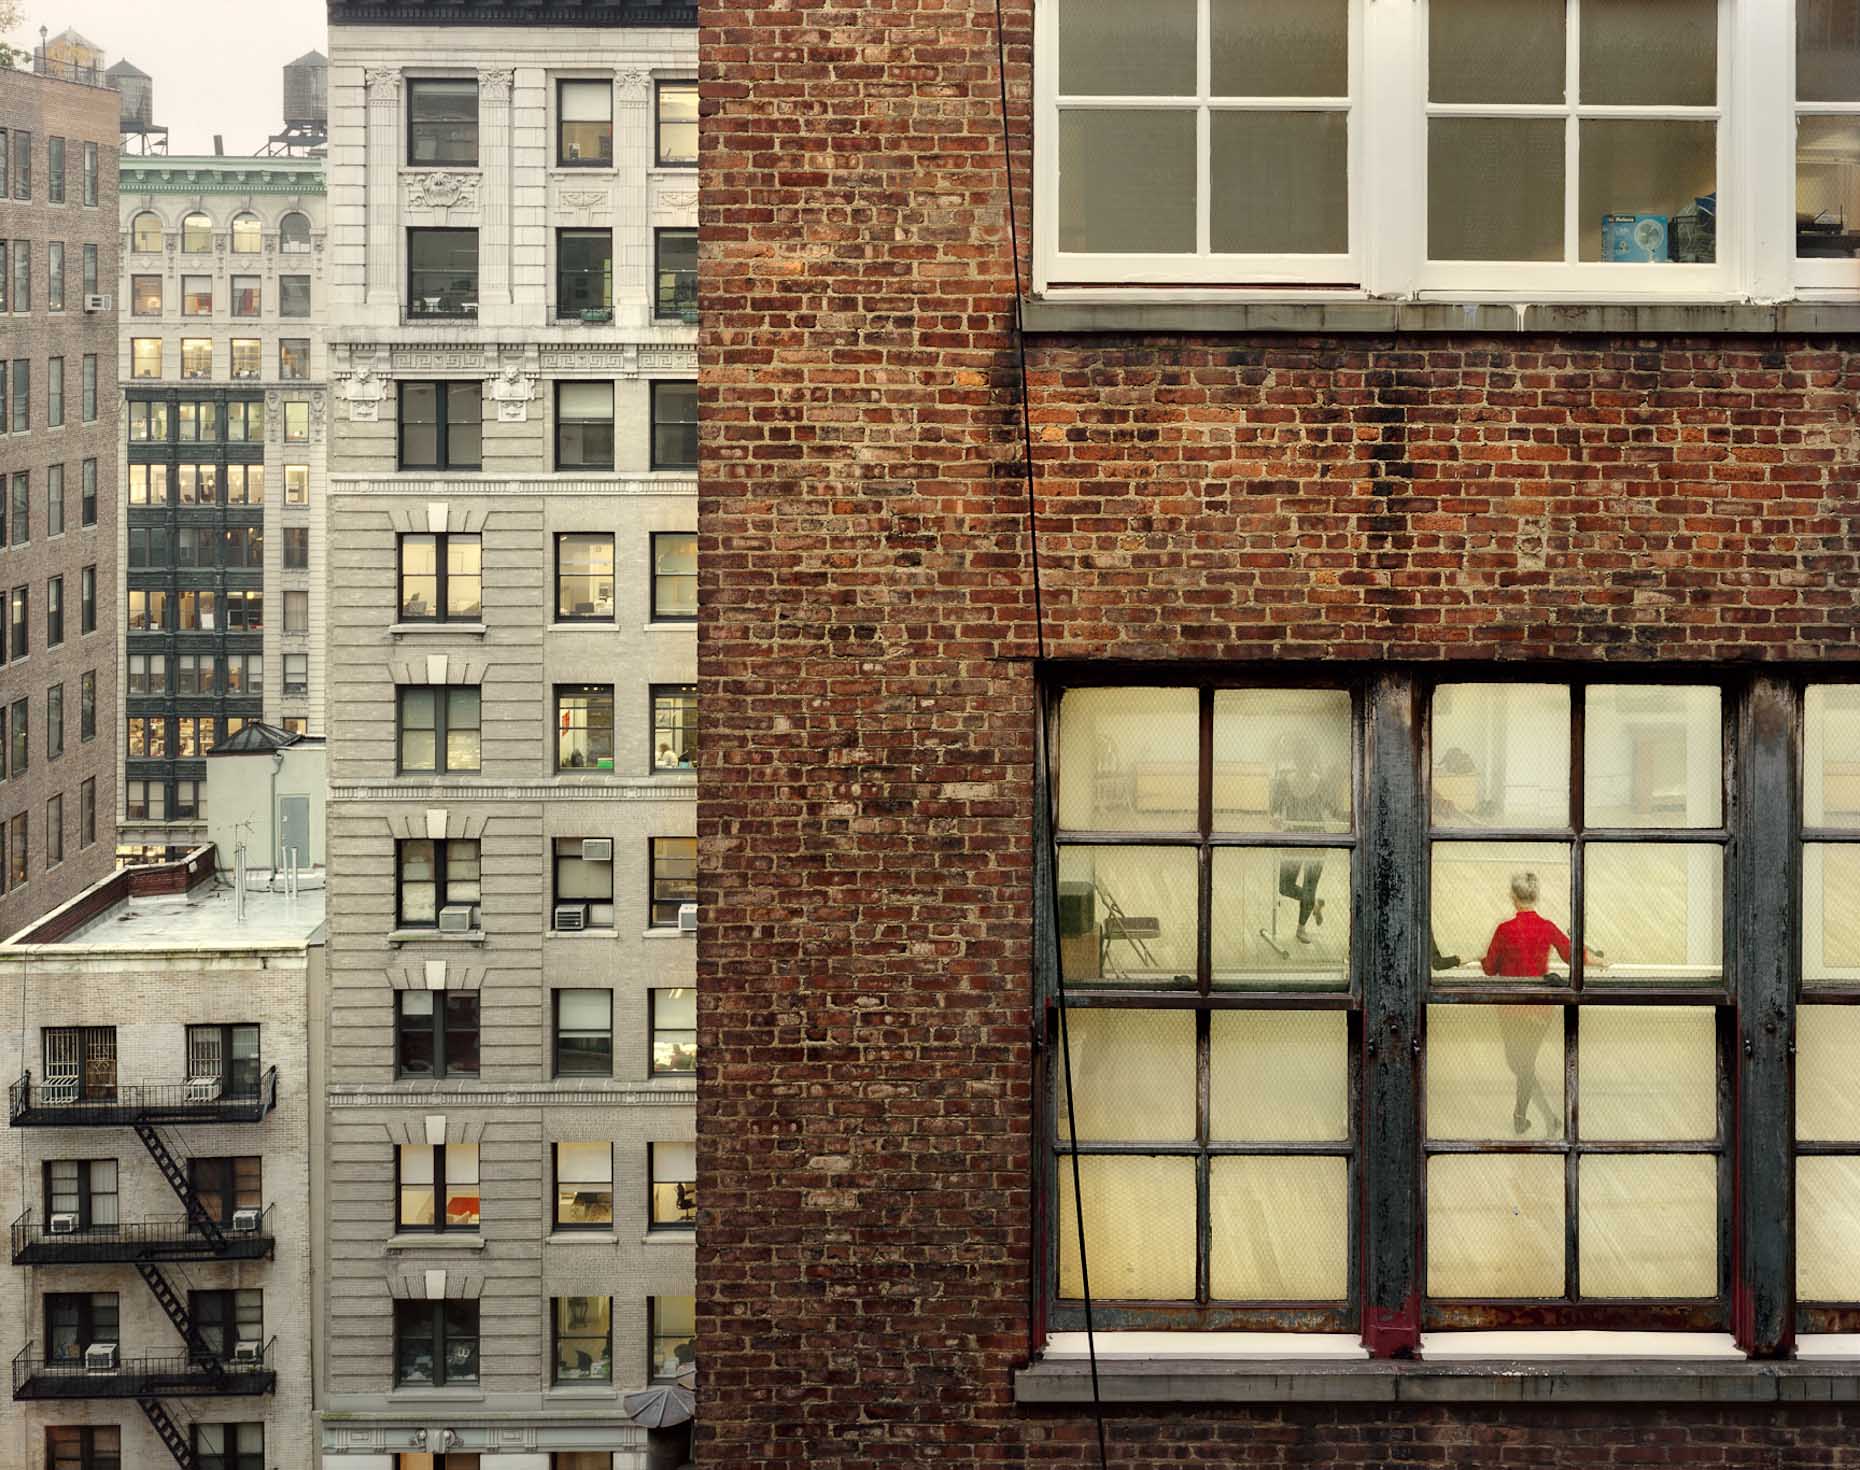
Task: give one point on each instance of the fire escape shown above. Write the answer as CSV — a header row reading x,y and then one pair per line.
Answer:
x,y
84,1093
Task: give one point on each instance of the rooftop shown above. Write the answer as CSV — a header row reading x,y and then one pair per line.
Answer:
x,y
205,919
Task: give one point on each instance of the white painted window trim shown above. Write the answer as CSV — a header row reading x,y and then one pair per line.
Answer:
x,y
1756,114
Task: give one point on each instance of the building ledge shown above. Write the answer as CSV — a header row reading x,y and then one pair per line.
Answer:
x,y
435,936
1252,1368
436,630
581,1237
1061,315
457,1241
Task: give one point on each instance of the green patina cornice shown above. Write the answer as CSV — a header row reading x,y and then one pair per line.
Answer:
x,y
220,176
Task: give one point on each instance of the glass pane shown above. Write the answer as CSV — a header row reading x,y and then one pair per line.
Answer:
x,y
1280,183
1483,917
1496,51
583,1010
1827,1229
1830,914
1279,1077
1495,1225
1281,918
1281,48
1134,1072
1827,187
1653,756
1831,756
1647,1072
1127,181
1827,50
1650,52
1279,1229
1647,1225
1139,1228
1494,188
1649,190
1501,755
1282,760
1494,1072
1827,1104
1129,760
1127,914
1113,48
1654,911
584,1163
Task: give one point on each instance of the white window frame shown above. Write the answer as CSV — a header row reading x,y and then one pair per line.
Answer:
x,y
1756,115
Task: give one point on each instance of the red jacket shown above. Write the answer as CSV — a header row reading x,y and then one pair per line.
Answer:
x,y
1520,948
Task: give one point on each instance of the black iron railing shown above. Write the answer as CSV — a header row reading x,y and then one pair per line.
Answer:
x,y
71,1102
169,1375
39,1242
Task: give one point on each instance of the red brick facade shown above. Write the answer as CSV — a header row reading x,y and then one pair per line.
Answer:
x,y
867,648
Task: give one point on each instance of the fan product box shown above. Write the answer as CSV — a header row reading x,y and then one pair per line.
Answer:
x,y
1634,237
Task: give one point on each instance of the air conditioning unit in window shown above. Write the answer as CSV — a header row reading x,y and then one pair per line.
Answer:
x,y
245,1222
100,1357
455,918
63,1224
248,1352
96,303
571,916
203,1089
597,849
687,918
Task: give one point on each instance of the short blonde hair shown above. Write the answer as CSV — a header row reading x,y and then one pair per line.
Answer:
x,y
1524,887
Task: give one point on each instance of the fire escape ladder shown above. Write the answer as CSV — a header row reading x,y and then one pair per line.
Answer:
x,y
176,1309
171,1170
170,1433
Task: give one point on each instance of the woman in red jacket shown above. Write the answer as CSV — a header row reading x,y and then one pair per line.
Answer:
x,y
1520,950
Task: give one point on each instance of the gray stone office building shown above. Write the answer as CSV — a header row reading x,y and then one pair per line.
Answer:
x,y
508,1182
222,536
58,429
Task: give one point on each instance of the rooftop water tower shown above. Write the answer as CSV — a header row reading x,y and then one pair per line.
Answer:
x,y
306,109
141,133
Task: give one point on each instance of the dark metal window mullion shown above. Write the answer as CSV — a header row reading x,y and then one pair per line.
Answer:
x,y
1572,1151
1204,985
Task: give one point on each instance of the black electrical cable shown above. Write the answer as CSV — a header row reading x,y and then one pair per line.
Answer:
x,y
1039,620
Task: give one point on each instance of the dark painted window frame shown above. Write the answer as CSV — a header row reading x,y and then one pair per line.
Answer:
x,y
1391,837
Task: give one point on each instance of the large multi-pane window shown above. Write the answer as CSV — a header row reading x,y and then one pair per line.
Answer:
x,y
584,426
584,883
674,727
674,426
436,1033
437,1187
248,234
1514,910
585,124
226,1185
584,577
440,425
85,1189
583,1332
229,1446
442,272
674,576
671,1336
584,271
145,233
672,1168
437,880
584,1033
675,275
677,125
584,720
440,728
1581,145
673,879
674,1031
435,1343
442,121
584,1186
196,234
84,1447
441,578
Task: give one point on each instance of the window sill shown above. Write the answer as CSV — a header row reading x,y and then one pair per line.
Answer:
x,y
419,1395
562,1394
668,934
669,1237
581,1237
582,625
1153,1368
429,630
454,1242
608,934
1088,310
434,936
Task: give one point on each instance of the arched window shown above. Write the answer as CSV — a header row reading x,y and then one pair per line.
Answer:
x,y
145,233
246,232
196,235
294,234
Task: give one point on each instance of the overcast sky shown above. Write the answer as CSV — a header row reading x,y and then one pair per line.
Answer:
x,y
218,65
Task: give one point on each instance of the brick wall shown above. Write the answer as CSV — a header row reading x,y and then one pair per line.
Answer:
x,y
865,656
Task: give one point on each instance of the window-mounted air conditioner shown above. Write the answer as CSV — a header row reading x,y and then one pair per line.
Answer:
x,y
245,1222
203,1089
96,303
687,918
455,918
248,1352
597,849
63,1224
571,916
100,1357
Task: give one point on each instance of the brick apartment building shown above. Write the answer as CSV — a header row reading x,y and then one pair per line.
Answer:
x,y
1446,462
58,423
